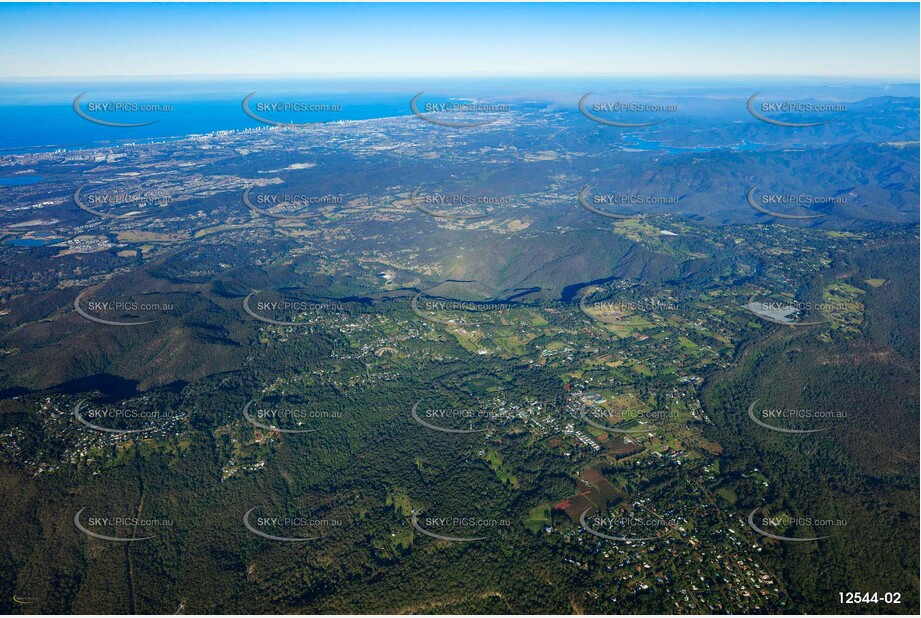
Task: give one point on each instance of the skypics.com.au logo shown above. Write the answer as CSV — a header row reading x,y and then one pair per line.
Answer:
x,y
91,415
626,528
627,312
601,203
288,206
771,112
137,204
789,312
118,307
289,529
770,526
644,419
458,420
610,112
96,110
283,418
434,205
435,310
458,114
308,312
270,112
105,528
762,415
448,528
768,203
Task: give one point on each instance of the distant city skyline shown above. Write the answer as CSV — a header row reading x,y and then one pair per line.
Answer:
x,y
859,40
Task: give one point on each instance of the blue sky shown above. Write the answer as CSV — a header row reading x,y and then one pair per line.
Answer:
x,y
109,40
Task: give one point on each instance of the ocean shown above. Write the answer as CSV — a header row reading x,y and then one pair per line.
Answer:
x,y
38,116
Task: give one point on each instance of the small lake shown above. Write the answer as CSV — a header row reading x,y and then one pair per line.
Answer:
x,y
12,181
638,143
32,242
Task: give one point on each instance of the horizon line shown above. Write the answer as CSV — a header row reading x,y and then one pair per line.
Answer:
x,y
908,79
